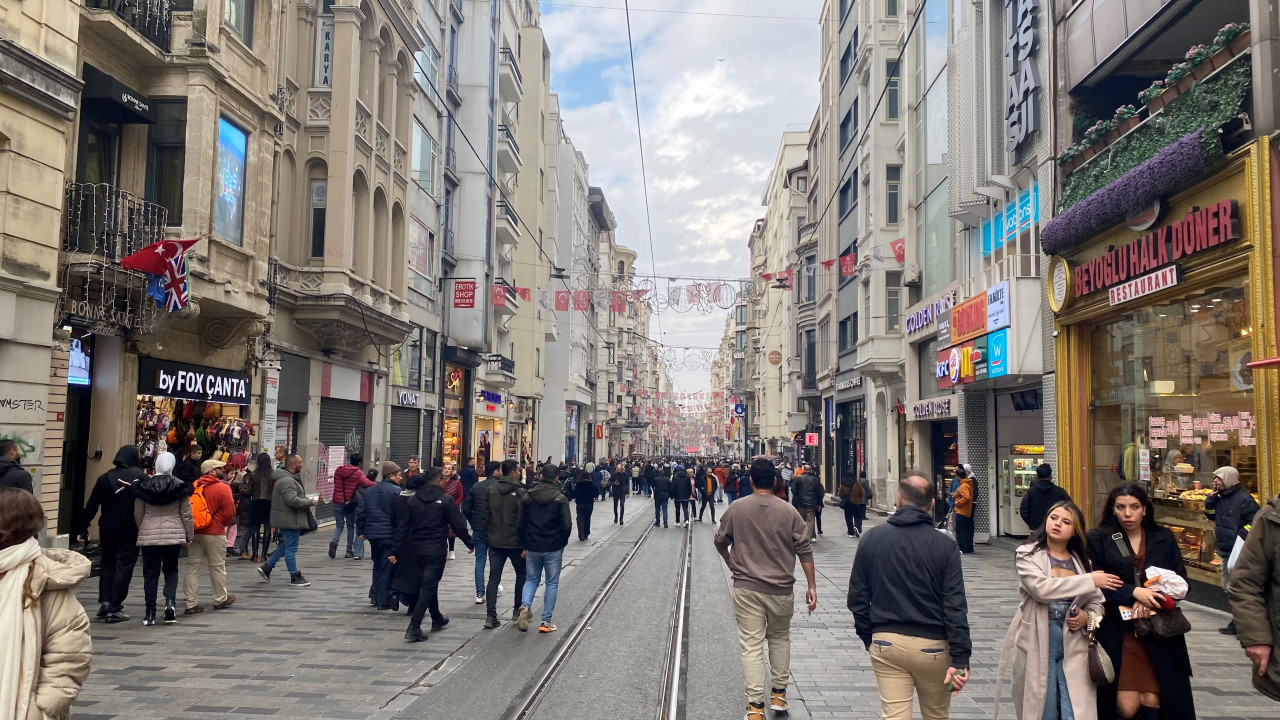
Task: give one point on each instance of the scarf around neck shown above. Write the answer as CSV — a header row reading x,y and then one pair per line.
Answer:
x,y
19,643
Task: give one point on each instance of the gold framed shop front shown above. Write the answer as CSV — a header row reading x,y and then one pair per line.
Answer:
x,y
1151,379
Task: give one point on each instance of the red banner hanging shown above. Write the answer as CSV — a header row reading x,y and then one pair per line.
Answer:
x,y
525,294
617,301
848,264
826,264
581,300
899,247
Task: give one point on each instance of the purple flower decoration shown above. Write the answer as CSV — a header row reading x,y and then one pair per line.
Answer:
x,y
1173,167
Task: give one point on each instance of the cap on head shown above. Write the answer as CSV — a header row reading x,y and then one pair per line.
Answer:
x,y
210,465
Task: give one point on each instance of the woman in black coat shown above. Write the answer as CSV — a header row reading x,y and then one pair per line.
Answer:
x,y
1156,685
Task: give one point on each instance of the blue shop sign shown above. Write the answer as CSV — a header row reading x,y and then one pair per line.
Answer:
x,y
491,397
998,354
1015,217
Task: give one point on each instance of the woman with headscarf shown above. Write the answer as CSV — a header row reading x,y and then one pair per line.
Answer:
x,y
163,513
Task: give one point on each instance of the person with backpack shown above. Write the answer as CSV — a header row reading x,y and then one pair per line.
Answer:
x,y
213,509
545,524
162,511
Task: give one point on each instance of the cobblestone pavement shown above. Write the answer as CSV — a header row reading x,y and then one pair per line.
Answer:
x,y
321,652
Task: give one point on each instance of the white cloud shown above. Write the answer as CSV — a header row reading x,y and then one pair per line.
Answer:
x,y
716,93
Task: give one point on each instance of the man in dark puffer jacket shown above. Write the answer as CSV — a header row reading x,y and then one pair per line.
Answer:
x,y
375,522
117,531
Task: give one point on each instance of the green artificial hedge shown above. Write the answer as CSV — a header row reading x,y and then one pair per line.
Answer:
x,y
1207,105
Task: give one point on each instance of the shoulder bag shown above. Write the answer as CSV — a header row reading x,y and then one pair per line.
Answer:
x,y
1162,624
1101,670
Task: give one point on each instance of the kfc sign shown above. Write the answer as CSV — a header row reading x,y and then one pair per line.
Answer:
x,y
962,364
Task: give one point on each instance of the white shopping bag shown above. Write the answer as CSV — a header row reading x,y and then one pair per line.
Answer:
x,y
1235,554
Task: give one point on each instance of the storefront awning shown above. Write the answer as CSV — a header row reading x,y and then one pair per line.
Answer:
x,y
112,100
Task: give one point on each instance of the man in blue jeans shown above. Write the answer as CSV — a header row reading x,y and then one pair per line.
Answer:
x,y
347,480
545,523
475,508
660,485
290,508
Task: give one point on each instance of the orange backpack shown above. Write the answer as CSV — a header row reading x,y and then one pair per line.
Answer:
x,y
200,515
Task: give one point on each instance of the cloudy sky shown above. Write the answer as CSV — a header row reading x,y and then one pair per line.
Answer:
x,y
717,89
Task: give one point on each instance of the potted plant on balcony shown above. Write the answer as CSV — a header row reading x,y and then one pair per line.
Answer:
x,y
1201,59
1125,119
1156,96
1069,160
1092,141
1179,78
1235,37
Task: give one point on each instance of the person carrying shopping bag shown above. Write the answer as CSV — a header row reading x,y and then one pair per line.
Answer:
x,y
1047,640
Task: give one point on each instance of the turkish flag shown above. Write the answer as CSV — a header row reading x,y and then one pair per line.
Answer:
x,y
562,300
524,293
581,300
617,301
848,264
155,258
826,264
899,249
766,276
638,294
499,295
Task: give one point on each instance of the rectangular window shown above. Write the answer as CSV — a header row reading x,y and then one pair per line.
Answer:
x,y
406,361
846,62
802,184
891,90
319,200
168,141
891,8
429,360
866,308
847,197
426,70
893,302
824,341
424,151
892,193
421,256
740,313
844,334
934,42
846,129
537,362
810,278
740,340
936,247
229,180
237,16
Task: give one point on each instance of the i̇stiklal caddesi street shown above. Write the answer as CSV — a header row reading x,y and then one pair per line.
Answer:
x,y
500,360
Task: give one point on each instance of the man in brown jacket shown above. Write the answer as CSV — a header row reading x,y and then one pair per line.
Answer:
x,y
1255,595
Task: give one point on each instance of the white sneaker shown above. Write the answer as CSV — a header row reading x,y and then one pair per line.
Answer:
x,y
452,555
479,598
500,588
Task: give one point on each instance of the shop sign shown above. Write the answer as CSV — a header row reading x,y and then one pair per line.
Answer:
x,y
969,319
929,314
849,384
192,382
962,364
101,319
1010,221
270,409
453,377
1023,82
407,398
489,397
944,329
1026,449
324,52
775,357
1199,230
998,306
811,439
932,409
998,354
464,294
1161,279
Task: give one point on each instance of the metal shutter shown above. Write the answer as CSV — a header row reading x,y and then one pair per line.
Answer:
x,y
428,438
342,424
404,435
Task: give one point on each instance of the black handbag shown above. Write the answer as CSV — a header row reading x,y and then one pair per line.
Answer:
x,y
312,525
1164,624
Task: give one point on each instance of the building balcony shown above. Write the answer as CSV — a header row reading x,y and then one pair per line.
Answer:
x,y
880,356
510,83
451,86
344,312
550,331
593,377
508,151
102,221
153,20
500,372
507,227
511,303
451,166
809,387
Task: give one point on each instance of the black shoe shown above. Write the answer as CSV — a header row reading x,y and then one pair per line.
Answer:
x,y
149,618
264,570
333,550
1230,629
102,610
349,555
296,580
439,625
170,612
665,525
414,634
118,617
492,622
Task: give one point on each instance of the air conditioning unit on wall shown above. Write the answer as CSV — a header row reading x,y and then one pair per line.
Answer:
x,y
911,274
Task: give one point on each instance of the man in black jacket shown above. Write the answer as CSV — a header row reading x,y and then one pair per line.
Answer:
x,y
423,531
475,508
117,531
544,531
188,471
1043,494
12,474
505,499
660,485
584,496
908,601
618,490
682,493
806,495
375,522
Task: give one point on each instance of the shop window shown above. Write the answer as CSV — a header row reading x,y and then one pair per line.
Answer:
x,y
927,357
1171,401
237,16
168,157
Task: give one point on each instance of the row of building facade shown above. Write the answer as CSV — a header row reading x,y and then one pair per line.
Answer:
x,y
383,191
994,166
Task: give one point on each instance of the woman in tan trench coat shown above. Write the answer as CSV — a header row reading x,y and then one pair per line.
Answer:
x,y
1056,587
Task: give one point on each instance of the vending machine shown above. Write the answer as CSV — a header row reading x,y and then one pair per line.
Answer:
x,y
1018,471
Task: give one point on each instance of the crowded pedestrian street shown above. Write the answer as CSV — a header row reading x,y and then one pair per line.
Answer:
x,y
322,652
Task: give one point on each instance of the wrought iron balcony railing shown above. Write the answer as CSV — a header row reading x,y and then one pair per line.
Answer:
x,y
104,220
152,18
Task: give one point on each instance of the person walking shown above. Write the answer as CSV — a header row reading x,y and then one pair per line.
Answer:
x,y
290,514
1153,675
646,478
112,494
242,493
660,485
853,504
162,511
1255,585
682,493
457,489
1232,509
260,483
731,483
707,494
635,478
618,489
545,524
722,481
505,499
347,479
761,538
468,477
598,479
45,648
907,596
806,496
12,474
413,468
213,509
375,522
965,494
1043,494
584,497
475,508
422,531
1047,641
744,482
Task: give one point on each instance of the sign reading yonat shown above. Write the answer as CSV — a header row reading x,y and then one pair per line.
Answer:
x,y
969,319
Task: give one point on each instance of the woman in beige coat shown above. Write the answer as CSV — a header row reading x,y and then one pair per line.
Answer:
x,y
45,647
165,526
1046,639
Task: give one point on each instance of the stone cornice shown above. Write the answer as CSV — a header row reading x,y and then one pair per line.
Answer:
x,y
38,81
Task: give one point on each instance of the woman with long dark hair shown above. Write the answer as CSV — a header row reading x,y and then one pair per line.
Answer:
x,y
1046,639
260,506
1153,675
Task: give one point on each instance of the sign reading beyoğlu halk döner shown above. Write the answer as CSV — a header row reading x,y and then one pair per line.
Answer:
x,y
1201,229
192,382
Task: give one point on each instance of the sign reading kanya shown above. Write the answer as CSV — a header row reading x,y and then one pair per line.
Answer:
x,y
1023,80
